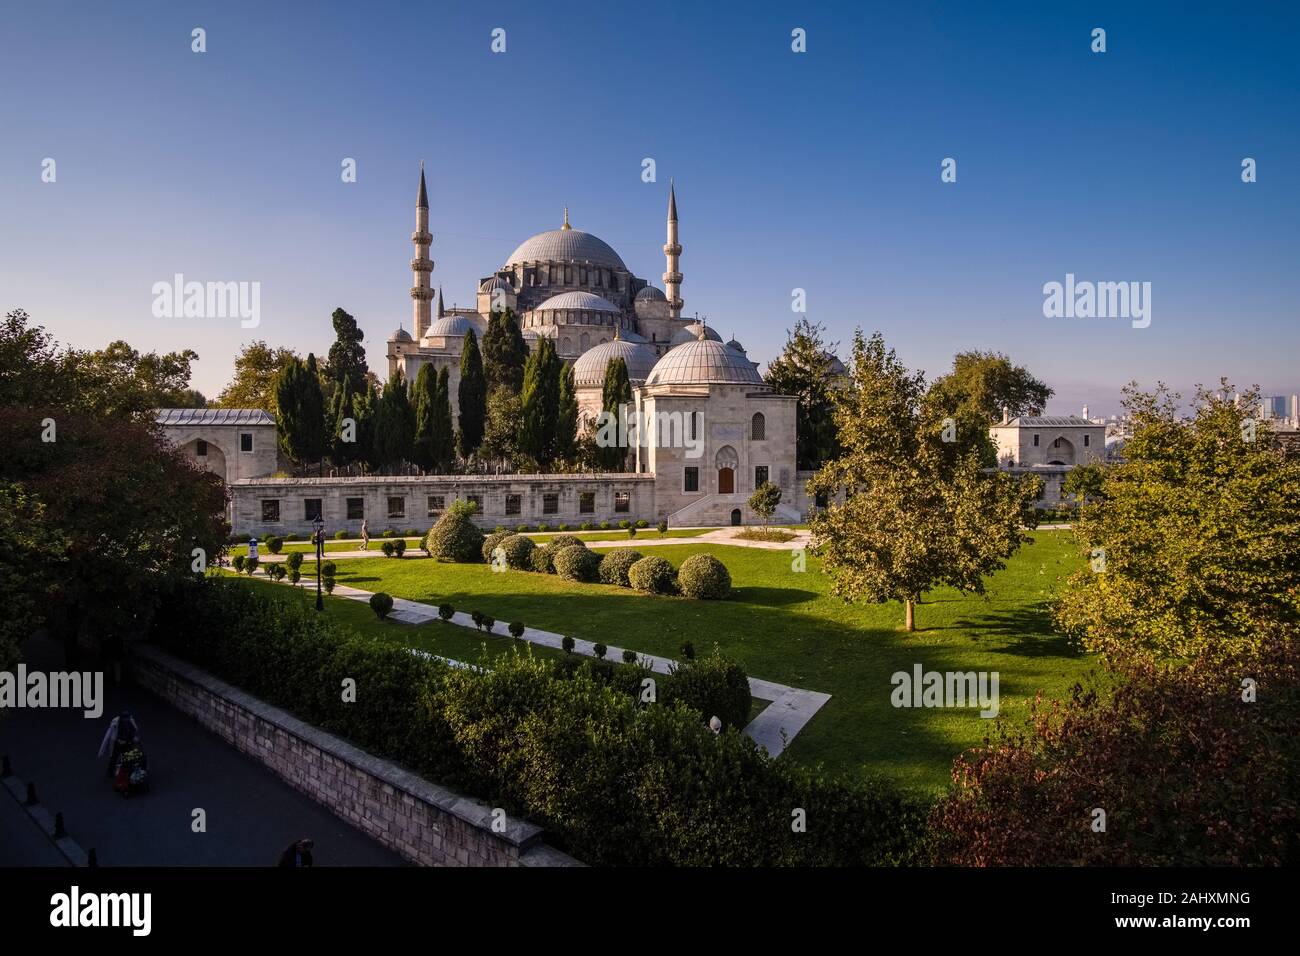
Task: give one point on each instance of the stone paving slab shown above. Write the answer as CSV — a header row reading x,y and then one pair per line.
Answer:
x,y
774,727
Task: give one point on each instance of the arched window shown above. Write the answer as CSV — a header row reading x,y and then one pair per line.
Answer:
x,y
758,427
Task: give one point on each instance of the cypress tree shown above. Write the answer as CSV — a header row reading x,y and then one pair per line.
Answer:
x,y
540,402
363,410
473,397
566,421
444,437
504,353
616,393
424,398
347,356
394,425
343,452
302,434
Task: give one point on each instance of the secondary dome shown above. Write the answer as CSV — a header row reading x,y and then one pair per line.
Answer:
x,y
578,300
651,294
589,369
704,362
401,335
496,282
450,325
566,245
733,344
690,333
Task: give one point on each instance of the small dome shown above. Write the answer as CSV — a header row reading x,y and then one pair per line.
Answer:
x,y
589,369
577,300
401,335
629,336
704,362
494,283
651,294
566,245
450,325
733,344
836,367
690,333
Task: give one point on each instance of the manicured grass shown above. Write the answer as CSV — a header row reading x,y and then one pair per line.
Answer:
x,y
306,547
786,626
413,544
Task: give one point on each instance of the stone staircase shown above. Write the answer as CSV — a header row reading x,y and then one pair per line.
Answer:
x,y
716,510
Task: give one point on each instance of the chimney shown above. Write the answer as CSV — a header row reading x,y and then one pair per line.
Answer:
x,y
1085,414
1006,414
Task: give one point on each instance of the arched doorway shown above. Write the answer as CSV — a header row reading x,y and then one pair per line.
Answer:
x,y
735,516
1062,452
726,461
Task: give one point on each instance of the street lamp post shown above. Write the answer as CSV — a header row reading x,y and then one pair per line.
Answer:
x,y
319,537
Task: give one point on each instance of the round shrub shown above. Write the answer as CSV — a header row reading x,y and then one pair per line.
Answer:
x,y
488,622
542,560
577,563
274,543
543,527
291,537
516,629
704,577
563,527
237,562
445,611
604,526
295,575
387,548
250,565
518,551
585,526
663,527
521,528
456,538
390,532
399,546
625,524
653,575
276,571
381,604
293,560
599,650
616,564
629,656
498,529
340,536
491,541
714,686
566,642
642,523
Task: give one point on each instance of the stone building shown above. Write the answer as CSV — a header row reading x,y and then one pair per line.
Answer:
x,y
1049,446
235,443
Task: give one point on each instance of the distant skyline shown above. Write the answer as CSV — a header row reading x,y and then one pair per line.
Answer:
x,y
816,170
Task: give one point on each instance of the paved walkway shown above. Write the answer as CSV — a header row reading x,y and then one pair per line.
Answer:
x,y
251,813
774,727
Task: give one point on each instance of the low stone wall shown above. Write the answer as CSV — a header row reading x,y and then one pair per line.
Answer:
x,y
423,822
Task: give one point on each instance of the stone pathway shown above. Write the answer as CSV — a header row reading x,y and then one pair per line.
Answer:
x,y
775,726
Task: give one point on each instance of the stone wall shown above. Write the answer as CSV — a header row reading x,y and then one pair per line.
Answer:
x,y
426,824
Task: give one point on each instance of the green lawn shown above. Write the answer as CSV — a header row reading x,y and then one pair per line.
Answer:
x,y
413,544
787,627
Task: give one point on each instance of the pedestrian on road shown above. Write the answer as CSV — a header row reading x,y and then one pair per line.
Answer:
x,y
365,535
297,853
123,732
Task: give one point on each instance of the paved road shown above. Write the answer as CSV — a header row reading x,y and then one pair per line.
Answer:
x,y
251,814
21,841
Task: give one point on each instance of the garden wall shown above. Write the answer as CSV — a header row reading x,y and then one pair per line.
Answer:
x,y
423,822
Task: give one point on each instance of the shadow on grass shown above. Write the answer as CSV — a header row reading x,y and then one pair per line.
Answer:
x,y
1028,632
772,597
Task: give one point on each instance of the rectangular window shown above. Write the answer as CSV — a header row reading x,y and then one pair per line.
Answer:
x,y
201,448
476,501
760,475
514,504
436,504
1085,440
246,441
1035,441
271,510
587,502
396,507
550,504
622,502
694,427
356,509
692,479
311,509
1057,443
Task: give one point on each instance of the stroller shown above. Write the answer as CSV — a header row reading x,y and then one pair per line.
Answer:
x,y
132,774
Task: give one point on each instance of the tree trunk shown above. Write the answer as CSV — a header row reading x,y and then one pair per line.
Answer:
x,y
910,607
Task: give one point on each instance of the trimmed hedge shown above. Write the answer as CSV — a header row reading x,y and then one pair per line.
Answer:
x,y
704,577
542,560
381,603
518,550
654,787
615,565
491,541
577,563
455,538
653,575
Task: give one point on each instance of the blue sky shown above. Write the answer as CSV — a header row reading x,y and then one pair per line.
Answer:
x,y
817,170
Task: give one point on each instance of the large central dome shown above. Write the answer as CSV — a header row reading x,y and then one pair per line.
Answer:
x,y
566,245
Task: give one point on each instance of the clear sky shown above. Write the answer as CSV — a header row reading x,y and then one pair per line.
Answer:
x,y
818,170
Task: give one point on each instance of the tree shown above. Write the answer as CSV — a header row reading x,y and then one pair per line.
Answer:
x,y
806,369
302,433
501,436
347,356
394,434
341,451
986,383
31,557
364,410
1085,482
540,404
120,379
764,501
444,436
472,395
1193,543
566,422
913,518
504,352
257,369
615,394
424,398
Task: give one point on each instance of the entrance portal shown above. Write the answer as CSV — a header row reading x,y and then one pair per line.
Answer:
x,y
735,516
726,481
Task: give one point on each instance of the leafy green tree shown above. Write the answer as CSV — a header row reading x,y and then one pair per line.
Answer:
x,y
913,518
424,399
504,352
444,435
985,384
501,436
257,369
347,356
1193,542
806,368
302,433
364,410
615,394
540,403
31,557
473,397
566,422
394,434
342,410
764,501
1084,482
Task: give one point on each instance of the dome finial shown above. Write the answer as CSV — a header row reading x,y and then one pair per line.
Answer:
x,y
616,333
566,219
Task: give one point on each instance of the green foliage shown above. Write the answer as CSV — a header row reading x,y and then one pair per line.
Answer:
x,y
275,572
1085,482
615,393
340,536
443,446
394,425
714,685
504,352
302,434
490,543
381,604
599,650
250,565
258,369
346,363
629,656
806,369
653,575
566,643
455,537
577,563
516,629
704,577
424,397
274,544
764,501
501,435
30,560
399,547
446,611
542,559
566,421
1194,540
616,564
387,548
472,395
518,551
663,527
237,562
293,559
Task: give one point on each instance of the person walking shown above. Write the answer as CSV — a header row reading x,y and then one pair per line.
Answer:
x,y
123,732
365,535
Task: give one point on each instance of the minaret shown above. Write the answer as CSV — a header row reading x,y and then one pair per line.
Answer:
x,y
673,249
441,311
421,265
